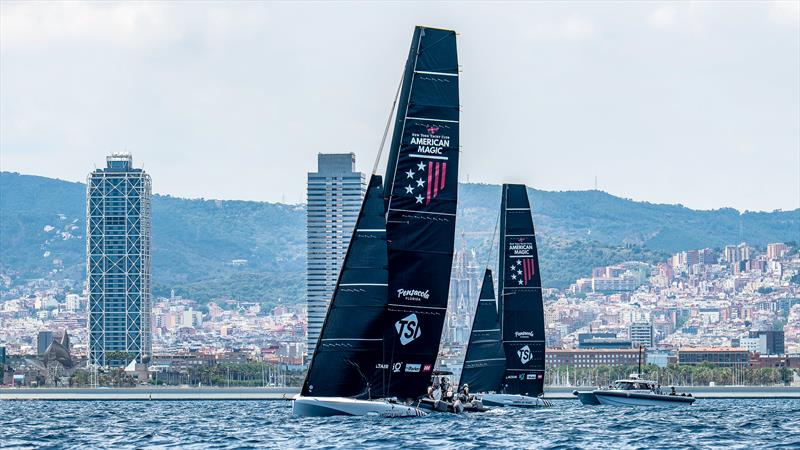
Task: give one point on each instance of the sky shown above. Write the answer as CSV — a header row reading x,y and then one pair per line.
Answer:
x,y
684,102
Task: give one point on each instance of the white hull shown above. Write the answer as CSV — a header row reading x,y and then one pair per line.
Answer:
x,y
513,400
616,400
342,406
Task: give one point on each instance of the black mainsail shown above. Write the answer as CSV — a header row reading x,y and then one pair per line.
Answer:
x,y
421,192
349,357
381,333
520,291
485,361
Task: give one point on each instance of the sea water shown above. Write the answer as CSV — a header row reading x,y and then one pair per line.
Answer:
x,y
270,424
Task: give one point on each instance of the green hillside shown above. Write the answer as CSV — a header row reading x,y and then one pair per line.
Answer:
x,y
196,241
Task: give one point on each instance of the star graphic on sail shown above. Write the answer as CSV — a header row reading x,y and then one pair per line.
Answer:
x,y
431,181
522,271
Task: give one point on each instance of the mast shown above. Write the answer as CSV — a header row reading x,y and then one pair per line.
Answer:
x,y
485,360
520,292
420,195
349,358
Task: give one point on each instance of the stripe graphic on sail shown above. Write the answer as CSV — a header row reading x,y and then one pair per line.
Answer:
x,y
349,358
485,361
520,289
421,193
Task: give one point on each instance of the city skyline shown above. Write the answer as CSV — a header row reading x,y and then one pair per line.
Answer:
x,y
711,86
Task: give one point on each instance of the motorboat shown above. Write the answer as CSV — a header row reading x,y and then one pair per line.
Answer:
x,y
343,406
634,392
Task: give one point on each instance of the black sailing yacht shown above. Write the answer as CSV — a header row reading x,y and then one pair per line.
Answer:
x,y
380,338
505,355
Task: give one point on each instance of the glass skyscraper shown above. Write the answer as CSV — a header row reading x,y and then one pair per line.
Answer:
x,y
335,191
118,262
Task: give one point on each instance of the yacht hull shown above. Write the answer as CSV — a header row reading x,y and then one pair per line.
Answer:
x,y
586,397
622,398
342,406
513,400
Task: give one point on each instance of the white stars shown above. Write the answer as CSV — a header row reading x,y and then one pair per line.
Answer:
x,y
421,166
419,198
513,276
420,182
519,263
410,173
519,272
409,189
520,282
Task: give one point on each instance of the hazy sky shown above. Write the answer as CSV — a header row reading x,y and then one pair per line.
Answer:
x,y
692,103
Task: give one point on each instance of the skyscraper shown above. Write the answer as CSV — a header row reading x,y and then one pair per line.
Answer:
x,y
118,261
335,191
43,341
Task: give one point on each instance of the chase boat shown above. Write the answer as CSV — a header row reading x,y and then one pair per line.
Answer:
x,y
634,392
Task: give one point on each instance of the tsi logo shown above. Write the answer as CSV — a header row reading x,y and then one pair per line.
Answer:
x,y
525,355
408,329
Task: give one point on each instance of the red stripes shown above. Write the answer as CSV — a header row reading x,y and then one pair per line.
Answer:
x,y
529,269
436,179
430,175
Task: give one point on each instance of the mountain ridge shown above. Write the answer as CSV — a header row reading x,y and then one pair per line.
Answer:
x,y
196,242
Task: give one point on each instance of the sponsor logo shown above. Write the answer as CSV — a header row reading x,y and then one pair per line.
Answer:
x,y
427,367
413,294
524,334
381,366
511,377
531,376
521,376
408,329
433,129
397,366
525,355
413,367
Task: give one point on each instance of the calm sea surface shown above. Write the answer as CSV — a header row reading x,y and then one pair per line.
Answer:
x,y
269,424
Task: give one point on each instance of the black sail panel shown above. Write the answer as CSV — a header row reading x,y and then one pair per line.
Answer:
x,y
421,183
349,358
485,361
520,295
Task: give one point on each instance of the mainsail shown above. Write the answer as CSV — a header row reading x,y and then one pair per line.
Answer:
x,y
420,192
349,358
520,291
485,361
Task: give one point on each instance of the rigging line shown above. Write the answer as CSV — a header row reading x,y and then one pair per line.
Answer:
x,y
491,246
403,128
388,124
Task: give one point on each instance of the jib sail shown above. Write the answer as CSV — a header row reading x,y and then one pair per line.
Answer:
x,y
485,361
349,357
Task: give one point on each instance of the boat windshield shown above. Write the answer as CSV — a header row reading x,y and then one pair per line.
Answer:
x,y
632,385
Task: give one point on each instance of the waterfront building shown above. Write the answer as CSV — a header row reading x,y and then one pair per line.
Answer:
x,y
118,261
335,191
641,333
43,340
769,342
591,358
716,356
